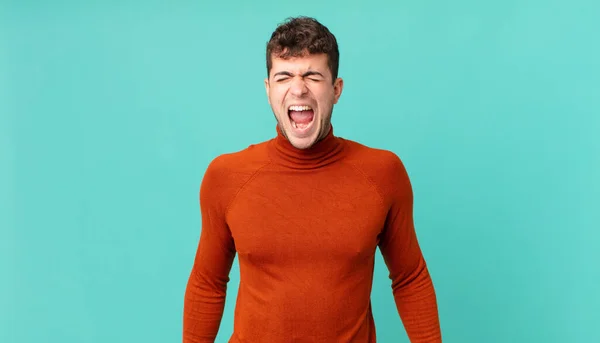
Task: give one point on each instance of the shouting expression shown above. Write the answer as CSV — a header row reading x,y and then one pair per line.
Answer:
x,y
301,93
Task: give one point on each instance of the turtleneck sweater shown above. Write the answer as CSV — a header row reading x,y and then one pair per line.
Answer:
x,y
305,225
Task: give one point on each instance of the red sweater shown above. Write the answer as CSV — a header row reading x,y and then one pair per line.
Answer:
x,y
305,225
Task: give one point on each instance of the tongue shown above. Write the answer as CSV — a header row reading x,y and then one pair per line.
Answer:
x,y
302,117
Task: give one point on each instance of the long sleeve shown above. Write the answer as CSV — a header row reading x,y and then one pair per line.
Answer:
x,y
412,286
204,299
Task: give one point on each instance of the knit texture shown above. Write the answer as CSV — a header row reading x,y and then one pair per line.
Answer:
x,y
306,225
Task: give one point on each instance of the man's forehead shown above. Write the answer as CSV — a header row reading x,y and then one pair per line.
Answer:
x,y
317,62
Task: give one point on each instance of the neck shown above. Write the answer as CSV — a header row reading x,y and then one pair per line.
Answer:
x,y
325,151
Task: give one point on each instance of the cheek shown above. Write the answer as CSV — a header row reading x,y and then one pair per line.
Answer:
x,y
325,96
326,101
276,97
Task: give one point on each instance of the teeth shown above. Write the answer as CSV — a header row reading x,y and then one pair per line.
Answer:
x,y
299,126
300,108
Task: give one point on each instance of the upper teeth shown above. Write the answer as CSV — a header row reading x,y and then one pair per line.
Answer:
x,y
300,108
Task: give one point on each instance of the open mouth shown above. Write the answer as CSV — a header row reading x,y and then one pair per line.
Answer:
x,y
301,116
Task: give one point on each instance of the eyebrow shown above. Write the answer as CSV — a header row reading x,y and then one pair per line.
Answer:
x,y
308,73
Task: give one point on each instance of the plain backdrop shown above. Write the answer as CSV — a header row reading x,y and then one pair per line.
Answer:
x,y
110,111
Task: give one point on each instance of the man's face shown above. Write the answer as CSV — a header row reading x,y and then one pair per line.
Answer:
x,y
302,94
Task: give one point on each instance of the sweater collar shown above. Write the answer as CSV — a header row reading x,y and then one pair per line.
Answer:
x,y
327,150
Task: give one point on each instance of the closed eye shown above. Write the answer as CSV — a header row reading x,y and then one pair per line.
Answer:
x,y
311,75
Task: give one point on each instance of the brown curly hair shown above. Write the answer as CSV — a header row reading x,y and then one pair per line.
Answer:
x,y
298,35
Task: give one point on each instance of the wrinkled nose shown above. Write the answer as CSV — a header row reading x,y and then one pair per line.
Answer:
x,y
298,88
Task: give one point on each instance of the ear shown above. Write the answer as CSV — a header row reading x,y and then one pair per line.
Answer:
x,y
338,86
267,89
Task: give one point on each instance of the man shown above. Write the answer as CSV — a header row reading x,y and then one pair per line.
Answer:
x,y
305,213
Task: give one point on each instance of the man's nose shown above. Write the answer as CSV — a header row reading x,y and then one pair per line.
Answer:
x,y
298,87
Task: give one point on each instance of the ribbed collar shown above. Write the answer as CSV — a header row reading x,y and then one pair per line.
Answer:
x,y
326,151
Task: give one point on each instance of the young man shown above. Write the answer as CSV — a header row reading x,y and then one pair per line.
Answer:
x,y
305,212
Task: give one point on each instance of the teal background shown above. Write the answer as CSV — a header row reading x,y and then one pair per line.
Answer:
x,y
111,111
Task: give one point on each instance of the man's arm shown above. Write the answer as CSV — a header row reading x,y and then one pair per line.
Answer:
x,y
412,286
204,299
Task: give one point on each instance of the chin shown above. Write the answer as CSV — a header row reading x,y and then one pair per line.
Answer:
x,y
302,143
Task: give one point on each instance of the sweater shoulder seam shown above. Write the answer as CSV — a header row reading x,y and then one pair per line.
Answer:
x,y
243,186
369,180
